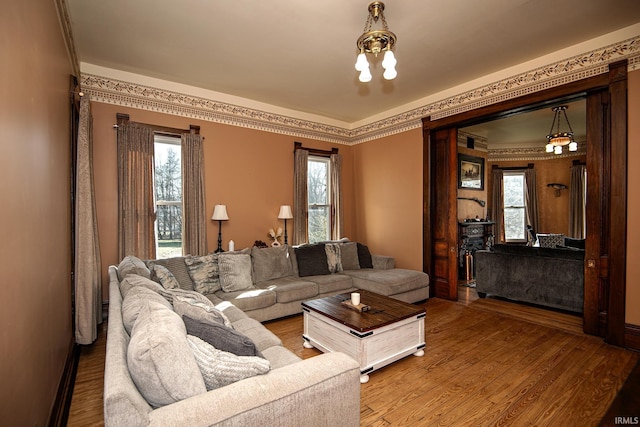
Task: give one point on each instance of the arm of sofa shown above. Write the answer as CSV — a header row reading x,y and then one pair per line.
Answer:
x,y
324,387
382,262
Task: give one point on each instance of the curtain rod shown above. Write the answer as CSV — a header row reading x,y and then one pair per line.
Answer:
x,y
298,146
165,130
513,168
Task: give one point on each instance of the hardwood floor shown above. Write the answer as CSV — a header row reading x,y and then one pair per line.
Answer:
x,y
487,362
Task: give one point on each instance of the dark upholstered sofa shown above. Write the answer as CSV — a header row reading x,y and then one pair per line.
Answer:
x,y
551,277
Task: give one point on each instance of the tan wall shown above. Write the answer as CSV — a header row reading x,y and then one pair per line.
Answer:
x,y
36,333
633,200
388,196
250,171
553,210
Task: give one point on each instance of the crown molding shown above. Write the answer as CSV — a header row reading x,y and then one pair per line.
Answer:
x,y
65,25
591,63
532,153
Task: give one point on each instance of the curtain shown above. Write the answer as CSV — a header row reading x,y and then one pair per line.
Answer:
x,y
497,201
194,215
300,196
88,279
577,201
136,207
336,196
531,202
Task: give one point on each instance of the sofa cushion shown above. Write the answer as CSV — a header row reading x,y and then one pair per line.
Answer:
x,y
279,356
133,280
349,253
333,283
249,299
312,260
235,271
388,282
291,288
270,263
132,265
364,256
160,359
221,337
261,336
200,311
178,268
162,275
204,272
134,300
219,368
334,256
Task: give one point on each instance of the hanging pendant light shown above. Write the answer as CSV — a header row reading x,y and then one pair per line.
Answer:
x,y
558,139
376,41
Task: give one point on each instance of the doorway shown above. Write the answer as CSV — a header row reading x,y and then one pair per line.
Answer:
x,y
605,262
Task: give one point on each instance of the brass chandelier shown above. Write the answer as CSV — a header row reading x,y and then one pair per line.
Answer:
x,y
376,41
557,140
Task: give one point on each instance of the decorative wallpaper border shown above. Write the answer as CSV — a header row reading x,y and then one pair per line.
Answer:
x,y
595,62
532,153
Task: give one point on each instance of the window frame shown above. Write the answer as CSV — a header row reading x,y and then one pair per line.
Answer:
x,y
523,207
327,161
168,139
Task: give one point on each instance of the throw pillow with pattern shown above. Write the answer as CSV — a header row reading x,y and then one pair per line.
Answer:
x,y
204,272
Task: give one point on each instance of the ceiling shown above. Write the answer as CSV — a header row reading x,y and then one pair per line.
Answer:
x,y
300,55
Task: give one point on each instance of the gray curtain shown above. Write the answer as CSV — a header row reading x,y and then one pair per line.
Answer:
x,y
300,196
194,215
336,197
497,201
88,278
531,202
136,207
577,201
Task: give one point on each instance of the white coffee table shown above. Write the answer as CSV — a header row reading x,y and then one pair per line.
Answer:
x,y
389,331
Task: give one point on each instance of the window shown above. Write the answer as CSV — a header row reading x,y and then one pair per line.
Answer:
x,y
168,195
514,207
319,203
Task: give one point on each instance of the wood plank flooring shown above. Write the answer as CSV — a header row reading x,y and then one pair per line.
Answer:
x,y
487,362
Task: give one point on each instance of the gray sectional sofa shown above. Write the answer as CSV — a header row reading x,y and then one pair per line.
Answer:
x,y
159,371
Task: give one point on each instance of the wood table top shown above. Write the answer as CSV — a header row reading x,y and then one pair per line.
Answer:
x,y
383,310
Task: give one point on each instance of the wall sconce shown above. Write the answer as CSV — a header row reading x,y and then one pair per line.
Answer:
x,y
285,213
557,187
220,214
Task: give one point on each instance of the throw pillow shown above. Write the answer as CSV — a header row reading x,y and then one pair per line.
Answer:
x,y
221,337
133,280
220,368
199,310
235,271
349,252
550,240
334,257
159,358
270,263
132,265
133,302
178,268
163,276
312,260
204,272
364,256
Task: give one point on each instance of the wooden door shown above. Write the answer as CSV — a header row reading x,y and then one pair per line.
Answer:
x,y
443,222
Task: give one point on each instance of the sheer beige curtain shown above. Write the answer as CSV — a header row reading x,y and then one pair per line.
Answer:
x,y
336,196
577,201
136,207
194,215
497,201
300,196
531,202
88,278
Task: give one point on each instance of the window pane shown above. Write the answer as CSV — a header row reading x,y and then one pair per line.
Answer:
x,y
168,192
318,223
513,190
317,179
514,224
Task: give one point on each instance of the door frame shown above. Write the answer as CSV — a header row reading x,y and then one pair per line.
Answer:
x,y
605,256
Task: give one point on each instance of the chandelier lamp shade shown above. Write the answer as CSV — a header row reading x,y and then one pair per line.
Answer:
x,y
558,139
220,214
376,42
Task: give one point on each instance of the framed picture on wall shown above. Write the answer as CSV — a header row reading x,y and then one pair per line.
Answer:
x,y
470,172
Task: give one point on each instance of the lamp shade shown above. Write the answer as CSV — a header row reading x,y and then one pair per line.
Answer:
x,y
220,213
285,212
